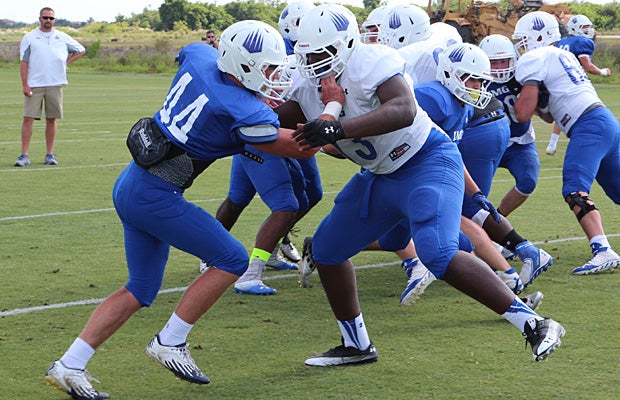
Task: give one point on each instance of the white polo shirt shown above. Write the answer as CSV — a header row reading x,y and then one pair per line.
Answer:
x,y
46,54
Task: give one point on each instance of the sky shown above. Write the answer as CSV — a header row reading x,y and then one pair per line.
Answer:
x,y
107,10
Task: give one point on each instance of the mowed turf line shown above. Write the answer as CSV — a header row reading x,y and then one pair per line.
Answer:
x,y
62,243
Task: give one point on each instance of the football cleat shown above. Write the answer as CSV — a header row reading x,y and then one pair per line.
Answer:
x,y
544,336
551,149
534,261
419,278
277,262
255,287
533,300
203,267
342,355
603,259
289,251
511,279
76,382
307,265
176,359
22,161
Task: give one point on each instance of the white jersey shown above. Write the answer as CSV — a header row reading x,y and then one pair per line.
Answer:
x,y
570,89
421,57
368,67
46,54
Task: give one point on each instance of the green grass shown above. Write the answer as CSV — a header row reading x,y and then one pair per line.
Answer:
x,y
62,243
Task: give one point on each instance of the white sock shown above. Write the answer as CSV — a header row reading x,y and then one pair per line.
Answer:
x,y
254,272
518,314
77,355
354,333
600,239
175,332
553,140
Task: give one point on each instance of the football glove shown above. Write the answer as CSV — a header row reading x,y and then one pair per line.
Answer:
x,y
320,132
484,203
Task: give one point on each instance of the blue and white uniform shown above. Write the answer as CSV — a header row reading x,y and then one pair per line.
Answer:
x,y
593,151
482,147
521,155
413,174
208,116
578,45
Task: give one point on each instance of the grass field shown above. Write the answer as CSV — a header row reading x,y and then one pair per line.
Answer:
x,y
62,251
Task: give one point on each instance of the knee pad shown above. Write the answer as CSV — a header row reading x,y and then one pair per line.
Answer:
x,y
575,199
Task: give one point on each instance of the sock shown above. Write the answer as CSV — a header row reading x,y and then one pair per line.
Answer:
x,y
257,266
553,140
518,314
175,332
511,240
601,240
354,333
77,355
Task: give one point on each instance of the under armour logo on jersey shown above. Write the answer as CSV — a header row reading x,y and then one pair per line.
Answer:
x,y
253,43
457,54
394,21
538,24
329,129
340,21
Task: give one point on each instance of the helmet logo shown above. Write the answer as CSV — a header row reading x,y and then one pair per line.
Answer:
x,y
457,54
538,24
284,13
574,20
253,43
394,21
340,21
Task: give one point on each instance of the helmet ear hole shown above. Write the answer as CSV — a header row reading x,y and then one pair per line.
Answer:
x,y
246,69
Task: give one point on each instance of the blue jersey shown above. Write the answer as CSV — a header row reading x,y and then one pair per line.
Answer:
x,y
290,46
444,108
578,45
507,93
204,110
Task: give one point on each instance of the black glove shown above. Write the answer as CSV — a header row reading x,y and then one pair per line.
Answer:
x,y
484,203
320,132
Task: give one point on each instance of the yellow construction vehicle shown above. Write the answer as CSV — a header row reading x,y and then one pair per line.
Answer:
x,y
475,19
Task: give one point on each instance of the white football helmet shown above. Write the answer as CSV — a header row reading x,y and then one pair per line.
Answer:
x,y
499,47
404,24
290,18
580,25
463,62
534,30
374,20
330,32
247,50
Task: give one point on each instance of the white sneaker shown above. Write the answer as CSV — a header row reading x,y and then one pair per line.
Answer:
x,y
289,251
255,287
176,359
203,267
544,336
511,279
534,261
551,149
419,278
277,262
533,300
75,382
307,265
604,259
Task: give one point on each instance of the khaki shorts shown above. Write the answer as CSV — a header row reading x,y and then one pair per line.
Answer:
x,y
51,95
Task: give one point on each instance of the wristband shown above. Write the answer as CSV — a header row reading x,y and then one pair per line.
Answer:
x,y
333,108
604,72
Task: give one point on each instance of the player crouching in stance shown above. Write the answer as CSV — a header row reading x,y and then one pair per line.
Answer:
x,y
593,151
212,111
407,161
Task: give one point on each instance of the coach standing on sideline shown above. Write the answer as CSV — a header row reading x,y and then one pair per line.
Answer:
x,y
44,55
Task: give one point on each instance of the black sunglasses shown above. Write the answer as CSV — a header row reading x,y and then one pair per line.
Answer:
x,y
46,17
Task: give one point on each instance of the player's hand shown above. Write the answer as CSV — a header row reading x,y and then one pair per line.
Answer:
x,y
605,72
317,133
331,91
484,203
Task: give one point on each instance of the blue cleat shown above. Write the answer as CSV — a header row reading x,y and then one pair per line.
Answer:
x,y
534,261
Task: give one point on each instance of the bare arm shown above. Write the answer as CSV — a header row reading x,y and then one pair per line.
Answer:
x,y
23,71
285,146
525,106
397,110
590,68
74,56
